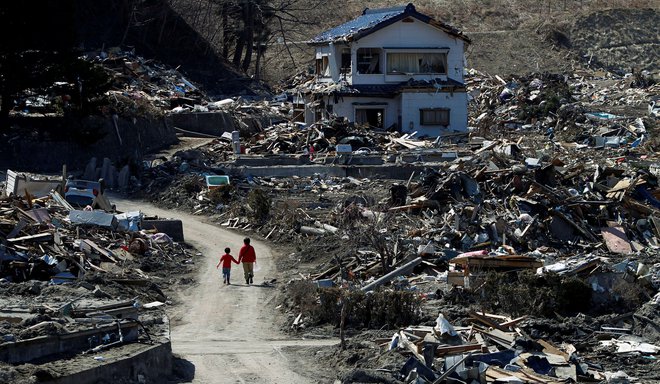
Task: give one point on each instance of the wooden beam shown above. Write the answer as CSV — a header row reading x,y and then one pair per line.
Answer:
x,y
513,322
44,236
455,349
403,339
487,321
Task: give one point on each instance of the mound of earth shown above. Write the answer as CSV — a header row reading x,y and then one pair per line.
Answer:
x,y
615,40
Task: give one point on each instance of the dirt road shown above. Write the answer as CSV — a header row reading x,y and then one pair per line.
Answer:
x,y
227,332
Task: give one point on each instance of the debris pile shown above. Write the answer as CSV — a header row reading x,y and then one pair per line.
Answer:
x,y
113,82
493,348
548,211
82,275
563,107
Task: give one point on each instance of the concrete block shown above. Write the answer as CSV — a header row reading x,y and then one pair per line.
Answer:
x,y
90,170
149,364
47,346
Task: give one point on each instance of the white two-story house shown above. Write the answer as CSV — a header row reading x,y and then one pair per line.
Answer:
x,y
391,68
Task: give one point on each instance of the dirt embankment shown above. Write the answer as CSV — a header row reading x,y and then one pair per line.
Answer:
x,y
616,40
619,38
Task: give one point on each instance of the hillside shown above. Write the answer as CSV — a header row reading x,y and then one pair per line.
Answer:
x,y
510,37
217,43
149,28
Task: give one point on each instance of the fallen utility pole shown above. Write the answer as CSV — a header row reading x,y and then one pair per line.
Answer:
x,y
397,272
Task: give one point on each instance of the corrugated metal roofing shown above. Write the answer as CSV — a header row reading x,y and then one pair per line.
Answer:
x,y
369,19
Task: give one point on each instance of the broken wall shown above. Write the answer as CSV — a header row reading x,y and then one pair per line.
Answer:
x,y
54,141
211,123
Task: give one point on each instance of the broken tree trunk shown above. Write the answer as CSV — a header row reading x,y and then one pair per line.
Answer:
x,y
312,231
326,227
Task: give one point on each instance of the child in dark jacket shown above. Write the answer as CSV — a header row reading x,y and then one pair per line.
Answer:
x,y
226,260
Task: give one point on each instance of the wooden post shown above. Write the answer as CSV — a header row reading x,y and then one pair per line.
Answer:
x,y
342,323
64,176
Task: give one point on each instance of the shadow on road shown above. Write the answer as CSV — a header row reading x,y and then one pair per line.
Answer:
x,y
254,285
183,371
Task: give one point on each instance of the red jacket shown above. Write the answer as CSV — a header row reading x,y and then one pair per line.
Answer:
x,y
226,260
247,254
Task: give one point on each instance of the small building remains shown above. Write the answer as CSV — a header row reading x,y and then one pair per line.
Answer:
x,y
391,68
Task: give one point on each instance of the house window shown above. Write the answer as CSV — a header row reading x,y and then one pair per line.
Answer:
x,y
434,116
368,60
323,67
346,60
412,63
374,117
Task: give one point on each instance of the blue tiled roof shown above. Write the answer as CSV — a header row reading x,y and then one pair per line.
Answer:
x,y
369,19
374,19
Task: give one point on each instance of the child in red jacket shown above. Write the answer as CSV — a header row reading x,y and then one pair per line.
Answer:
x,y
226,260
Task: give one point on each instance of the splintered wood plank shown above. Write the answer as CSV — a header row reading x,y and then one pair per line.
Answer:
x,y
487,321
45,236
456,349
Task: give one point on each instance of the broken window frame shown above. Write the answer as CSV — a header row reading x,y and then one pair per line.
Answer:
x,y
417,62
298,113
434,116
368,61
365,110
346,61
323,66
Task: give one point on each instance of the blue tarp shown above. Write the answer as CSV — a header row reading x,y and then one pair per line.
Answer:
x,y
12,256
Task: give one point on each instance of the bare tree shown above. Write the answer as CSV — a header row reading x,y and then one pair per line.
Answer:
x,y
377,236
250,26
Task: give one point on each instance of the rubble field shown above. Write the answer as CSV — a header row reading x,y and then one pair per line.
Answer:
x,y
526,248
93,278
524,251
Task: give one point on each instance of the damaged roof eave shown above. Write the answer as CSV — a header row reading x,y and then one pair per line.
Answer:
x,y
341,40
347,38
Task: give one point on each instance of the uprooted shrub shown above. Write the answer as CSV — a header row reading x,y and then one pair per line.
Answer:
x,y
259,203
304,297
220,195
369,310
525,293
364,310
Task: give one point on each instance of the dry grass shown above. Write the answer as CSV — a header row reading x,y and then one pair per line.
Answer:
x,y
281,60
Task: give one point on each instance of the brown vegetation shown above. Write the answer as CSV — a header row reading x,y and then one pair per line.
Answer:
x,y
284,26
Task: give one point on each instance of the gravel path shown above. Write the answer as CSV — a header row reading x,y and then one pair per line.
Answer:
x,y
228,332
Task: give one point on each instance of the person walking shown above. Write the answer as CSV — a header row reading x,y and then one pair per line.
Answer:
x,y
226,260
248,257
